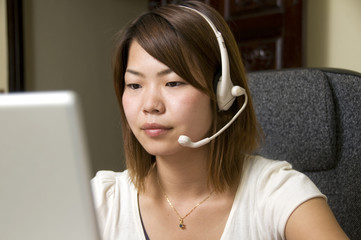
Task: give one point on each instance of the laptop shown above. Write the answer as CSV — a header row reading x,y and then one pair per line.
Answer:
x,y
45,173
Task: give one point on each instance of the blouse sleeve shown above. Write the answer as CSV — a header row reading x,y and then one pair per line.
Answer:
x,y
103,194
281,190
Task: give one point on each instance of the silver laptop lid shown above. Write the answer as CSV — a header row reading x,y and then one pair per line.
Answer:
x,y
44,182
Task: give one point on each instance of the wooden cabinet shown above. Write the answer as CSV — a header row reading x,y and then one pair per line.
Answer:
x,y
268,32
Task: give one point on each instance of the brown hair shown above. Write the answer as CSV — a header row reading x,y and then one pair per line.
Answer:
x,y
182,40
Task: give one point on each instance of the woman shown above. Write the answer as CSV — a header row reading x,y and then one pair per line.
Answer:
x,y
166,68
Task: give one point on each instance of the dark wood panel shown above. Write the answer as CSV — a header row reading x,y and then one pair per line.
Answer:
x,y
293,34
252,7
156,3
261,54
268,32
255,27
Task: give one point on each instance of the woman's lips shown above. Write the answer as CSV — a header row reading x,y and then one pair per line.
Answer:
x,y
154,129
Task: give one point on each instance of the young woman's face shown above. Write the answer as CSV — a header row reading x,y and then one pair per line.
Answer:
x,y
160,106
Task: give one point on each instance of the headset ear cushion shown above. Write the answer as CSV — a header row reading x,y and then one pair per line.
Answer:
x,y
216,78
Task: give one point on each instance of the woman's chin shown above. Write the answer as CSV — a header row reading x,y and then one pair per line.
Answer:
x,y
162,149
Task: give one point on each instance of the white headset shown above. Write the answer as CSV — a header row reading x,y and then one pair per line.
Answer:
x,y
226,92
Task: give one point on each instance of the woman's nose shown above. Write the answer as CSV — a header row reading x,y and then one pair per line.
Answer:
x,y
153,102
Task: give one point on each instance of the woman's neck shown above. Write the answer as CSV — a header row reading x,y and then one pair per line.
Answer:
x,y
184,175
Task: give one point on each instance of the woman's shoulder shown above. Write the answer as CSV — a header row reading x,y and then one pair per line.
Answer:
x,y
107,175
273,190
256,164
109,184
277,178
109,178
114,195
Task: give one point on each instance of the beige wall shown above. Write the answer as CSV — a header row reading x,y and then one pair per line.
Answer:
x,y
3,48
333,35
68,46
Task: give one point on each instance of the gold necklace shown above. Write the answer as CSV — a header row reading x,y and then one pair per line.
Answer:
x,y
181,219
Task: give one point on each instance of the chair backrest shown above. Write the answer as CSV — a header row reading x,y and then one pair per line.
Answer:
x,y
312,119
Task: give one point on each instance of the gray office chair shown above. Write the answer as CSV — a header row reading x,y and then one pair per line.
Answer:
x,y
312,119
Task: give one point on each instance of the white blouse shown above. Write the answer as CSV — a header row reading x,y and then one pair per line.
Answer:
x,y
268,194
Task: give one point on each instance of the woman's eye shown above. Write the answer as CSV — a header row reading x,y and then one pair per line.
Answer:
x,y
133,86
174,84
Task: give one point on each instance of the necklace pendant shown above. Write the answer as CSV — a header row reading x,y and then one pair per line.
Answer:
x,y
181,224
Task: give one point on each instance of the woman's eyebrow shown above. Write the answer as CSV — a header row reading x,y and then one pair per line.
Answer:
x,y
134,72
159,74
165,72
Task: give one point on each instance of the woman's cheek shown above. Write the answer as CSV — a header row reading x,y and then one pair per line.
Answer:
x,y
128,107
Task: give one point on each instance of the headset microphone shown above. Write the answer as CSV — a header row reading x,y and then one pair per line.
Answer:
x,y
226,92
